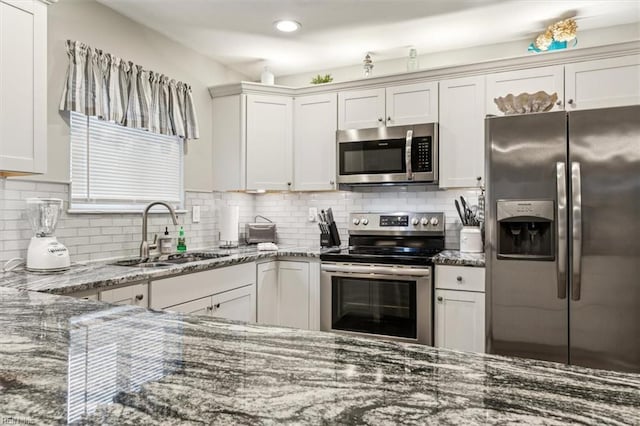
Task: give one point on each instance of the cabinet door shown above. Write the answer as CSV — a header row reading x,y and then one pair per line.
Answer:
x,y
462,105
603,83
237,305
229,157
137,294
23,87
314,146
201,306
412,104
361,109
459,320
549,79
268,293
293,294
269,142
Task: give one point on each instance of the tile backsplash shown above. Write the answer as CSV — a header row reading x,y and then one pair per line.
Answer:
x,y
104,236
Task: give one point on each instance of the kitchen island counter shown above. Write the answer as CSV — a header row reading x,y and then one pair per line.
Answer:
x,y
70,360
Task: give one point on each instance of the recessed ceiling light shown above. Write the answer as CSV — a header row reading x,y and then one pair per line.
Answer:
x,y
287,26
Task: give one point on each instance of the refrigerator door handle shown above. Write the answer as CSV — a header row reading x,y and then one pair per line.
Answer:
x,y
561,182
576,200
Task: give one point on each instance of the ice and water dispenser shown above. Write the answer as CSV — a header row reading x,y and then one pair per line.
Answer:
x,y
526,229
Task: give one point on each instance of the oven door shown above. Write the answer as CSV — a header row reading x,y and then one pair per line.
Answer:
x,y
377,300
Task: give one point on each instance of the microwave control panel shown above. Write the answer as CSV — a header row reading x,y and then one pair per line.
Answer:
x,y
422,158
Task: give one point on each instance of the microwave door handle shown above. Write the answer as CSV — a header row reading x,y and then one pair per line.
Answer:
x,y
407,154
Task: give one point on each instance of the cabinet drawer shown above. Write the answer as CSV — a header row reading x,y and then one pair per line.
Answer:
x,y
184,288
459,278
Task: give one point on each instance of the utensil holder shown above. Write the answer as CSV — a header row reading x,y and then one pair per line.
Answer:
x,y
471,240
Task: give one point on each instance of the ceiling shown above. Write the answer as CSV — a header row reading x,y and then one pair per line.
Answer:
x,y
336,33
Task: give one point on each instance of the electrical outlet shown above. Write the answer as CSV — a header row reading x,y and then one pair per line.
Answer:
x,y
313,214
196,214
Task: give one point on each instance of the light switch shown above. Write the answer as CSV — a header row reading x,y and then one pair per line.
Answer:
x,y
196,214
313,213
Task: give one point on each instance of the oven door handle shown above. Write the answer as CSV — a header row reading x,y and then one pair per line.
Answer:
x,y
407,154
376,270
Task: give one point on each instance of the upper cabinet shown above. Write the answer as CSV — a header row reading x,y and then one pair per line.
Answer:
x,y
550,79
23,87
462,106
393,106
269,142
603,83
252,142
314,142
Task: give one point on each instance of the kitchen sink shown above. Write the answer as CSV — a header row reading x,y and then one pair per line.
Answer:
x,y
172,259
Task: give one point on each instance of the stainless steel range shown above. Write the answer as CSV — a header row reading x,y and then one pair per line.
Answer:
x,y
381,286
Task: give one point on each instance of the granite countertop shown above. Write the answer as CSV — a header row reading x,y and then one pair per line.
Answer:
x,y
456,257
70,360
97,275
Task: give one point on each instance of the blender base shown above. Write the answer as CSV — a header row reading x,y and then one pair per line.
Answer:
x,y
46,254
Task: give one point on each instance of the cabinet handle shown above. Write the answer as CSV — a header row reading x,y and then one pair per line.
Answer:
x,y
439,298
380,119
559,103
216,306
139,296
570,101
288,183
478,178
209,308
331,182
459,278
388,118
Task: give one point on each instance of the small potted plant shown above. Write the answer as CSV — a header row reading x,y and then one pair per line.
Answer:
x,y
319,79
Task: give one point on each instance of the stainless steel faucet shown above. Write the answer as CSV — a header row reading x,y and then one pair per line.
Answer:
x,y
145,246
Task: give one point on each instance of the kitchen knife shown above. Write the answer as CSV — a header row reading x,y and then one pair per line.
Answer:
x,y
330,215
459,212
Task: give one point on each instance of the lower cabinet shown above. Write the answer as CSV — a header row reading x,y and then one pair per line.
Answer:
x,y
287,294
459,321
135,294
228,292
238,304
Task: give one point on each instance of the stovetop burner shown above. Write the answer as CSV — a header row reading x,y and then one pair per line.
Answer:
x,y
392,238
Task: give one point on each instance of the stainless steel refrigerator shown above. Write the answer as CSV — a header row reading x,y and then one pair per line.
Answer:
x,y
563,237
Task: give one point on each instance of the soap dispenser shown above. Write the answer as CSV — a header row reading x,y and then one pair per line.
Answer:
x,y
165,242
182,241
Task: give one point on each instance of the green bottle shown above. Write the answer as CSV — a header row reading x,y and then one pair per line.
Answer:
x,y
182,244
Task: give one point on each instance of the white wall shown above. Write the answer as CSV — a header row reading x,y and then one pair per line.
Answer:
x,y
103,28
597,37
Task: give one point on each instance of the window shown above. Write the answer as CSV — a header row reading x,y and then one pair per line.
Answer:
x,y
116,168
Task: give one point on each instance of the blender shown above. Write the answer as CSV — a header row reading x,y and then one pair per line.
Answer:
x,y
45,253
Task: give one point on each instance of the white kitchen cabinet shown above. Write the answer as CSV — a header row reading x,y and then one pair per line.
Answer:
x,y
461,126
603,83
135,294
459,320
412,104
269,142
200,307
392,106
23,87
267,283
237,305
168,292
289,293
293,294
549,79
361,109
314,142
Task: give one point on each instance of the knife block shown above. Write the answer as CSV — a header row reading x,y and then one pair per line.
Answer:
x,y
330,238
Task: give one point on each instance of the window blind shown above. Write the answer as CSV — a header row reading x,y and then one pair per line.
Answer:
x,y
119,168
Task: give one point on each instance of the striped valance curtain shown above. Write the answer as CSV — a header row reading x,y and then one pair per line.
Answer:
x,y
101,85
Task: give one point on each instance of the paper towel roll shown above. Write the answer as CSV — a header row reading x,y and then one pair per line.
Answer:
x,y
229,217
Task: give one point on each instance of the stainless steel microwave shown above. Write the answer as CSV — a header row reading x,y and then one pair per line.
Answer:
x,y
388,155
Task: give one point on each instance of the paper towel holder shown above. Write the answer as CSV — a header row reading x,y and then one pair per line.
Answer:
x,y
229,218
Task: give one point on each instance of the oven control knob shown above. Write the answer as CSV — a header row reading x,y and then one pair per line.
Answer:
x,y
434,221
365,221
424,221
415,221
356,221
